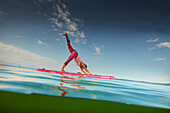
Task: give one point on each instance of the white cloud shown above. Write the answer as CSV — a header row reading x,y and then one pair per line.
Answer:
x,y
14,55
42,43
77,19
152,40
55,29
61,20
164,44
159,59
72,27
82,35
84,41
160,45
64,6
68,21
64,16
98,51
77,40
81,39
61,13
55,21
96,48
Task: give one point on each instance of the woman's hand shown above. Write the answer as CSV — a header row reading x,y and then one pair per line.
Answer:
x,y
64,34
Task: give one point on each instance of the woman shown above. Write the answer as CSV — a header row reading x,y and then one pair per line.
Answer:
x,y
76,57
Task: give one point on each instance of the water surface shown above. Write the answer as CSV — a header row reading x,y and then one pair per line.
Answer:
x,y
26,80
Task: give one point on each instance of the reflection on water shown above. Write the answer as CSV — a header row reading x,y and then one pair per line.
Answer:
x,y
64,92
26,80
71,84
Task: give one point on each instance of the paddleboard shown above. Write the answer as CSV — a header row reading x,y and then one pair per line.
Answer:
x,y
76,74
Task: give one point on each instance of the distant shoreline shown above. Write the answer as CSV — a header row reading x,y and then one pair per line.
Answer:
x,y
15,102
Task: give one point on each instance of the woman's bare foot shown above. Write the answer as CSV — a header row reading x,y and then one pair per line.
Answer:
x,y
64,34
62,70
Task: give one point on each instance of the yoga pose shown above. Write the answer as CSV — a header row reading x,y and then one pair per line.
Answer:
x,y
76,57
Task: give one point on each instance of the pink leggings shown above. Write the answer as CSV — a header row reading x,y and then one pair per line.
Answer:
x,y
73,52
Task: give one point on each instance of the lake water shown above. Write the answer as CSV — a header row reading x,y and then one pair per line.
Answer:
x,y
26,80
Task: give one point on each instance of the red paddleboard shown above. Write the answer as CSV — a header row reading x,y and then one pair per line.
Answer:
x,y
77,74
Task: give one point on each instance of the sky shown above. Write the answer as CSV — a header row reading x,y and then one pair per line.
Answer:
x,y
127,39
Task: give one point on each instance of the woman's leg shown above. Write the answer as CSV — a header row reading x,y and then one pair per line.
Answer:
x,y
69,45
73,55
72,51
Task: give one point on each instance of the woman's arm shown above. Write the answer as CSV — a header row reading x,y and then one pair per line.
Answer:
x,y
88,71
82,70
82,66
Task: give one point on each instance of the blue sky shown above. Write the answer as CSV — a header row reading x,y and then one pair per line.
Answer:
x,y
124,38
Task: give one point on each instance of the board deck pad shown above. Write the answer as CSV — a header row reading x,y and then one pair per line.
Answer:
x,y
77,74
